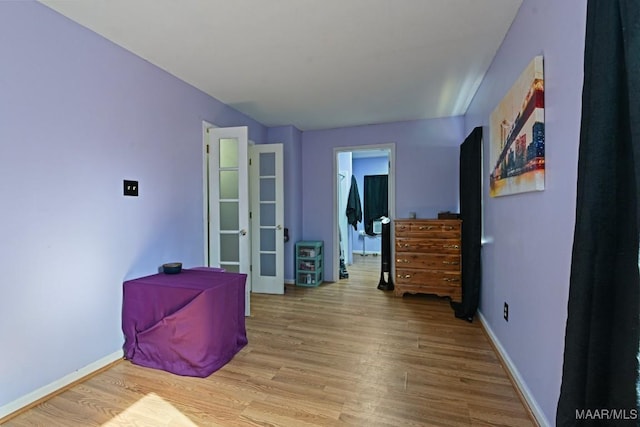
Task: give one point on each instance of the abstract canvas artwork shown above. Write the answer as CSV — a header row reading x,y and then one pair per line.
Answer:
x,y
517,162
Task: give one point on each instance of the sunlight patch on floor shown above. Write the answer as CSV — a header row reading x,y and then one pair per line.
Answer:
x,y
151,410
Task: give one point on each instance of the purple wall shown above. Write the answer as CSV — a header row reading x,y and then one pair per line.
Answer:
x,y
291,138
78,115
528,261
427,155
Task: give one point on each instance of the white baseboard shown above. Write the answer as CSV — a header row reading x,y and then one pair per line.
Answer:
x,y
48,389
515,374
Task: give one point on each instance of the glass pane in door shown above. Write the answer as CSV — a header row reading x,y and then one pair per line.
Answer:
x,y
267,264
229,248
267,239
267,164
267,214
267,189
228,153
229,184
229,220
231,268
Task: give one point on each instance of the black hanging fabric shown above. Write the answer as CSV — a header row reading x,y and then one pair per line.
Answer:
x,y
600,368
376,200
471,215
385,258
354,207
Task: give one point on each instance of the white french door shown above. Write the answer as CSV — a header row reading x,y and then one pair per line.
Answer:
x,y
267,218
228,203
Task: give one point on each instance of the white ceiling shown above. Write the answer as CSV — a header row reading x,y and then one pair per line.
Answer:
x,y
314,64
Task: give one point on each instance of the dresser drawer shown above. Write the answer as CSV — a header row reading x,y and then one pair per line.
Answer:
x,y
438,229
442,246
440,277
429,261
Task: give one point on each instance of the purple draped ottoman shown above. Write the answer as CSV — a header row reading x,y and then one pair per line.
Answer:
x,y
191,323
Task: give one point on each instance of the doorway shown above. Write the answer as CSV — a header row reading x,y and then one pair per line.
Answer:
x,y
226,191
357,161
243,194
267,218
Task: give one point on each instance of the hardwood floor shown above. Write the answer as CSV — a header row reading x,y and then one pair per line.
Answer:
x,y
342,354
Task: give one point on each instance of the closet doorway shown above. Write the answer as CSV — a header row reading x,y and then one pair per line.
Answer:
x,y
358,161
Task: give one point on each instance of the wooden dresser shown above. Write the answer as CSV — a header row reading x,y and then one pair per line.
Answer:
x,y
428,257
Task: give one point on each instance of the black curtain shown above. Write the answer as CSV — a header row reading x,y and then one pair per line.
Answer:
x,y
600,368
471,215
376,200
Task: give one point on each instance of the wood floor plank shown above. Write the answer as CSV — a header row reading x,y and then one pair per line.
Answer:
x,y
341,354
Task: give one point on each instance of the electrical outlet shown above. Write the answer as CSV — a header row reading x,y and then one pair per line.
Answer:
x,y
506,311
130,188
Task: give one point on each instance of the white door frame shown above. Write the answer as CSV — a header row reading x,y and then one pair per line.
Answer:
x,y
205,190
391,148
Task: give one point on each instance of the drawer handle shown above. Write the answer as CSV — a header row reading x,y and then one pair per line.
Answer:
x,y
450,279
448,228
406,245
426,227
450,262
451,246
406,276
405,261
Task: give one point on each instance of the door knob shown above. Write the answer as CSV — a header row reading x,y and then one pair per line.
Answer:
x,y
278,227
243,232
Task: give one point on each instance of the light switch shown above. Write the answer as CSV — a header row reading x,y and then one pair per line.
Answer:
x,y
130,188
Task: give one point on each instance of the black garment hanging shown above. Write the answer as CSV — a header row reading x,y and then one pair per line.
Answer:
x,y
471,215
376,200
354,208
600,369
